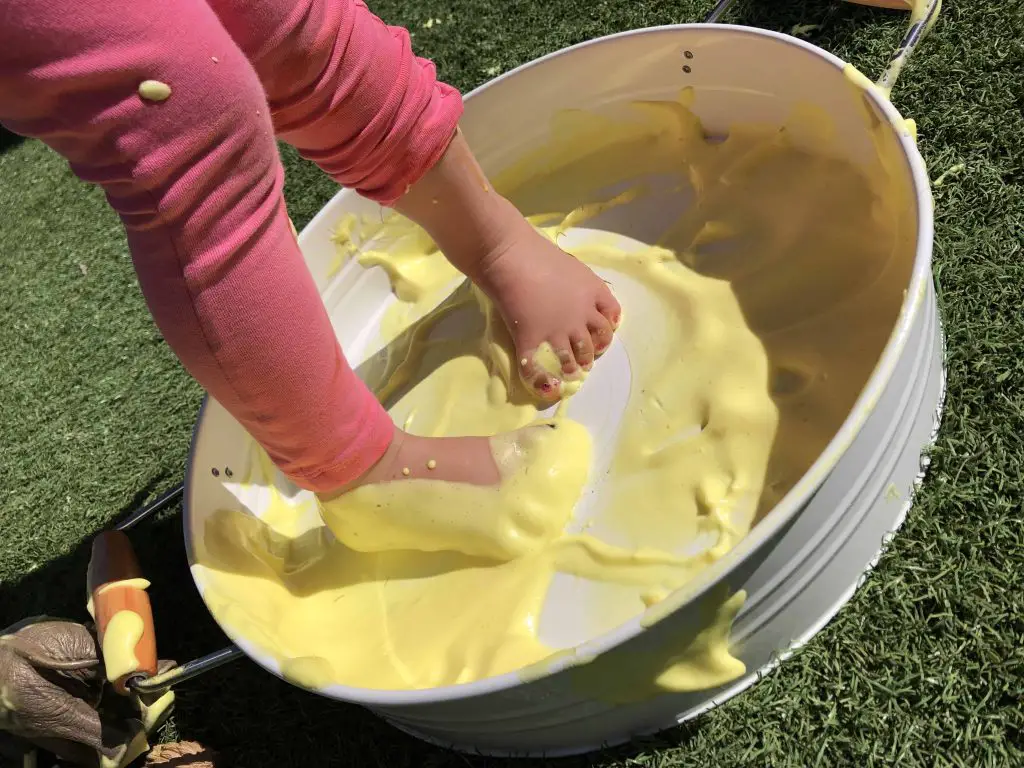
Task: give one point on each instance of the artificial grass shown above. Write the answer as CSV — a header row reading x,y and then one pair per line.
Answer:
x,y
925,666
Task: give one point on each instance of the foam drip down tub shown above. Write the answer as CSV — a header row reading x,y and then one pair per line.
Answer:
x,y
847,319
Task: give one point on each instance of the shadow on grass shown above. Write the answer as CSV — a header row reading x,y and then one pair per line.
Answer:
x,y
9,140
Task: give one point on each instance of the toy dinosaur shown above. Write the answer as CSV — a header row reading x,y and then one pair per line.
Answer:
x,y
53,695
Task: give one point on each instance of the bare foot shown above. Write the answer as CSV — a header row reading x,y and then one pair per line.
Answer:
x,y
503,497
455,459
560,314
470,460
546,295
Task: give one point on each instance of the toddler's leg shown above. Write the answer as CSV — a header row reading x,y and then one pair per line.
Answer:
x,y
347,91
197,182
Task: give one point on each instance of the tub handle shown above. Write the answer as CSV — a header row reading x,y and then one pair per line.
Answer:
x,y
920,25
718,11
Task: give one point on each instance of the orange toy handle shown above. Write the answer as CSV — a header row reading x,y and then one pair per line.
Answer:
x,y
120,606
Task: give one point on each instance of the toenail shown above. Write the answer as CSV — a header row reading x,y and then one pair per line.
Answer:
x,y
524,362
549,386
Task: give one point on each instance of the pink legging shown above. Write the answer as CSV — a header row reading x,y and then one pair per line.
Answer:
x,y
197,181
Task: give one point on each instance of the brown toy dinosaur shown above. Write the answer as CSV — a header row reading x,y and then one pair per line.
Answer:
x,y
52,684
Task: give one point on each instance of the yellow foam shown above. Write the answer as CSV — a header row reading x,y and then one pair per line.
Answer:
x,y
544,469
738,333
122,635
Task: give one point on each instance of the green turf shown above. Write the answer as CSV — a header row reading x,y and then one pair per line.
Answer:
x,y
925,666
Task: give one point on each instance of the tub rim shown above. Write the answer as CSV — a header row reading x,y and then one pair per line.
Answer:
x,y
771,524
